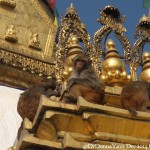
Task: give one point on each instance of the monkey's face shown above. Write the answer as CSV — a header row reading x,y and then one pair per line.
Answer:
x,y
81,62
80,65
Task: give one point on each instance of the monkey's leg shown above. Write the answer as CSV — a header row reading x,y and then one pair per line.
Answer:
x,y
73,94
91,95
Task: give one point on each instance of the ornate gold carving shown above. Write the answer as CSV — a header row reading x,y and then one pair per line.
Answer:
x,y
44,55
11,34
71,25
34,42
9,3
25,63
142,35
111,20
143,27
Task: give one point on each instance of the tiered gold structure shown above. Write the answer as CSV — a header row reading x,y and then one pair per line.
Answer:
x,y
59,125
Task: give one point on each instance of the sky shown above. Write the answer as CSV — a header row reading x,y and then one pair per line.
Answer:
x,y
88,11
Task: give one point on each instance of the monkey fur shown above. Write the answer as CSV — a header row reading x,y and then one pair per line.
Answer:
x,y
135,96
84,82
29,100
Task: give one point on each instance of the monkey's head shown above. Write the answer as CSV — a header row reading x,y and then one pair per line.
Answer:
x,y
81,61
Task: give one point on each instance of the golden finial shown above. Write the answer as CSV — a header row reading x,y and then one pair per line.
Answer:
x,y
144,18
110,45
73,45
71,5
113,68
145,75
73,39
111,49
71,11
146,56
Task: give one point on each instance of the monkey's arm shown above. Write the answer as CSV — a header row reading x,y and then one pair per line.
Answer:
x,y
91,79
77,81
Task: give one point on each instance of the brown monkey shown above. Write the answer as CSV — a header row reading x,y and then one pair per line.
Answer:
x,y
29,100
135,96
84,82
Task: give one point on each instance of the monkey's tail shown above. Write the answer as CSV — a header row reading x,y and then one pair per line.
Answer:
x,y
132,112
61,97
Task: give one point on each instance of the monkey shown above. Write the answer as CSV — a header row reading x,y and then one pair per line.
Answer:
x,y
29,99
135,96
84,82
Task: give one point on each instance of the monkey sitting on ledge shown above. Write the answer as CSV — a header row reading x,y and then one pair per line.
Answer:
x,y
29,100
84,82
135,96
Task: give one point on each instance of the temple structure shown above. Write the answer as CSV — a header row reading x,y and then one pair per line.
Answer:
x,y
29,54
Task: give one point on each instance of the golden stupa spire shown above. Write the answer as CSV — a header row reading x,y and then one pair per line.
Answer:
x,y
145,75
113,68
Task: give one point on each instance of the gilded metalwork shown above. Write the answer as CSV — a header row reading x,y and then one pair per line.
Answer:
x,y
145,74
72,29
9,3
11,34
71,24
113,68
59,64
34,42
112,21
26,64
142,34
143,28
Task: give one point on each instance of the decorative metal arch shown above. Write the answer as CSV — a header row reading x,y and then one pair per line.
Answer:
x,y
71,25
112,21
142,34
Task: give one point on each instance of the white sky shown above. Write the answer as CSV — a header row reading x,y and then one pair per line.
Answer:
x,y
9,118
